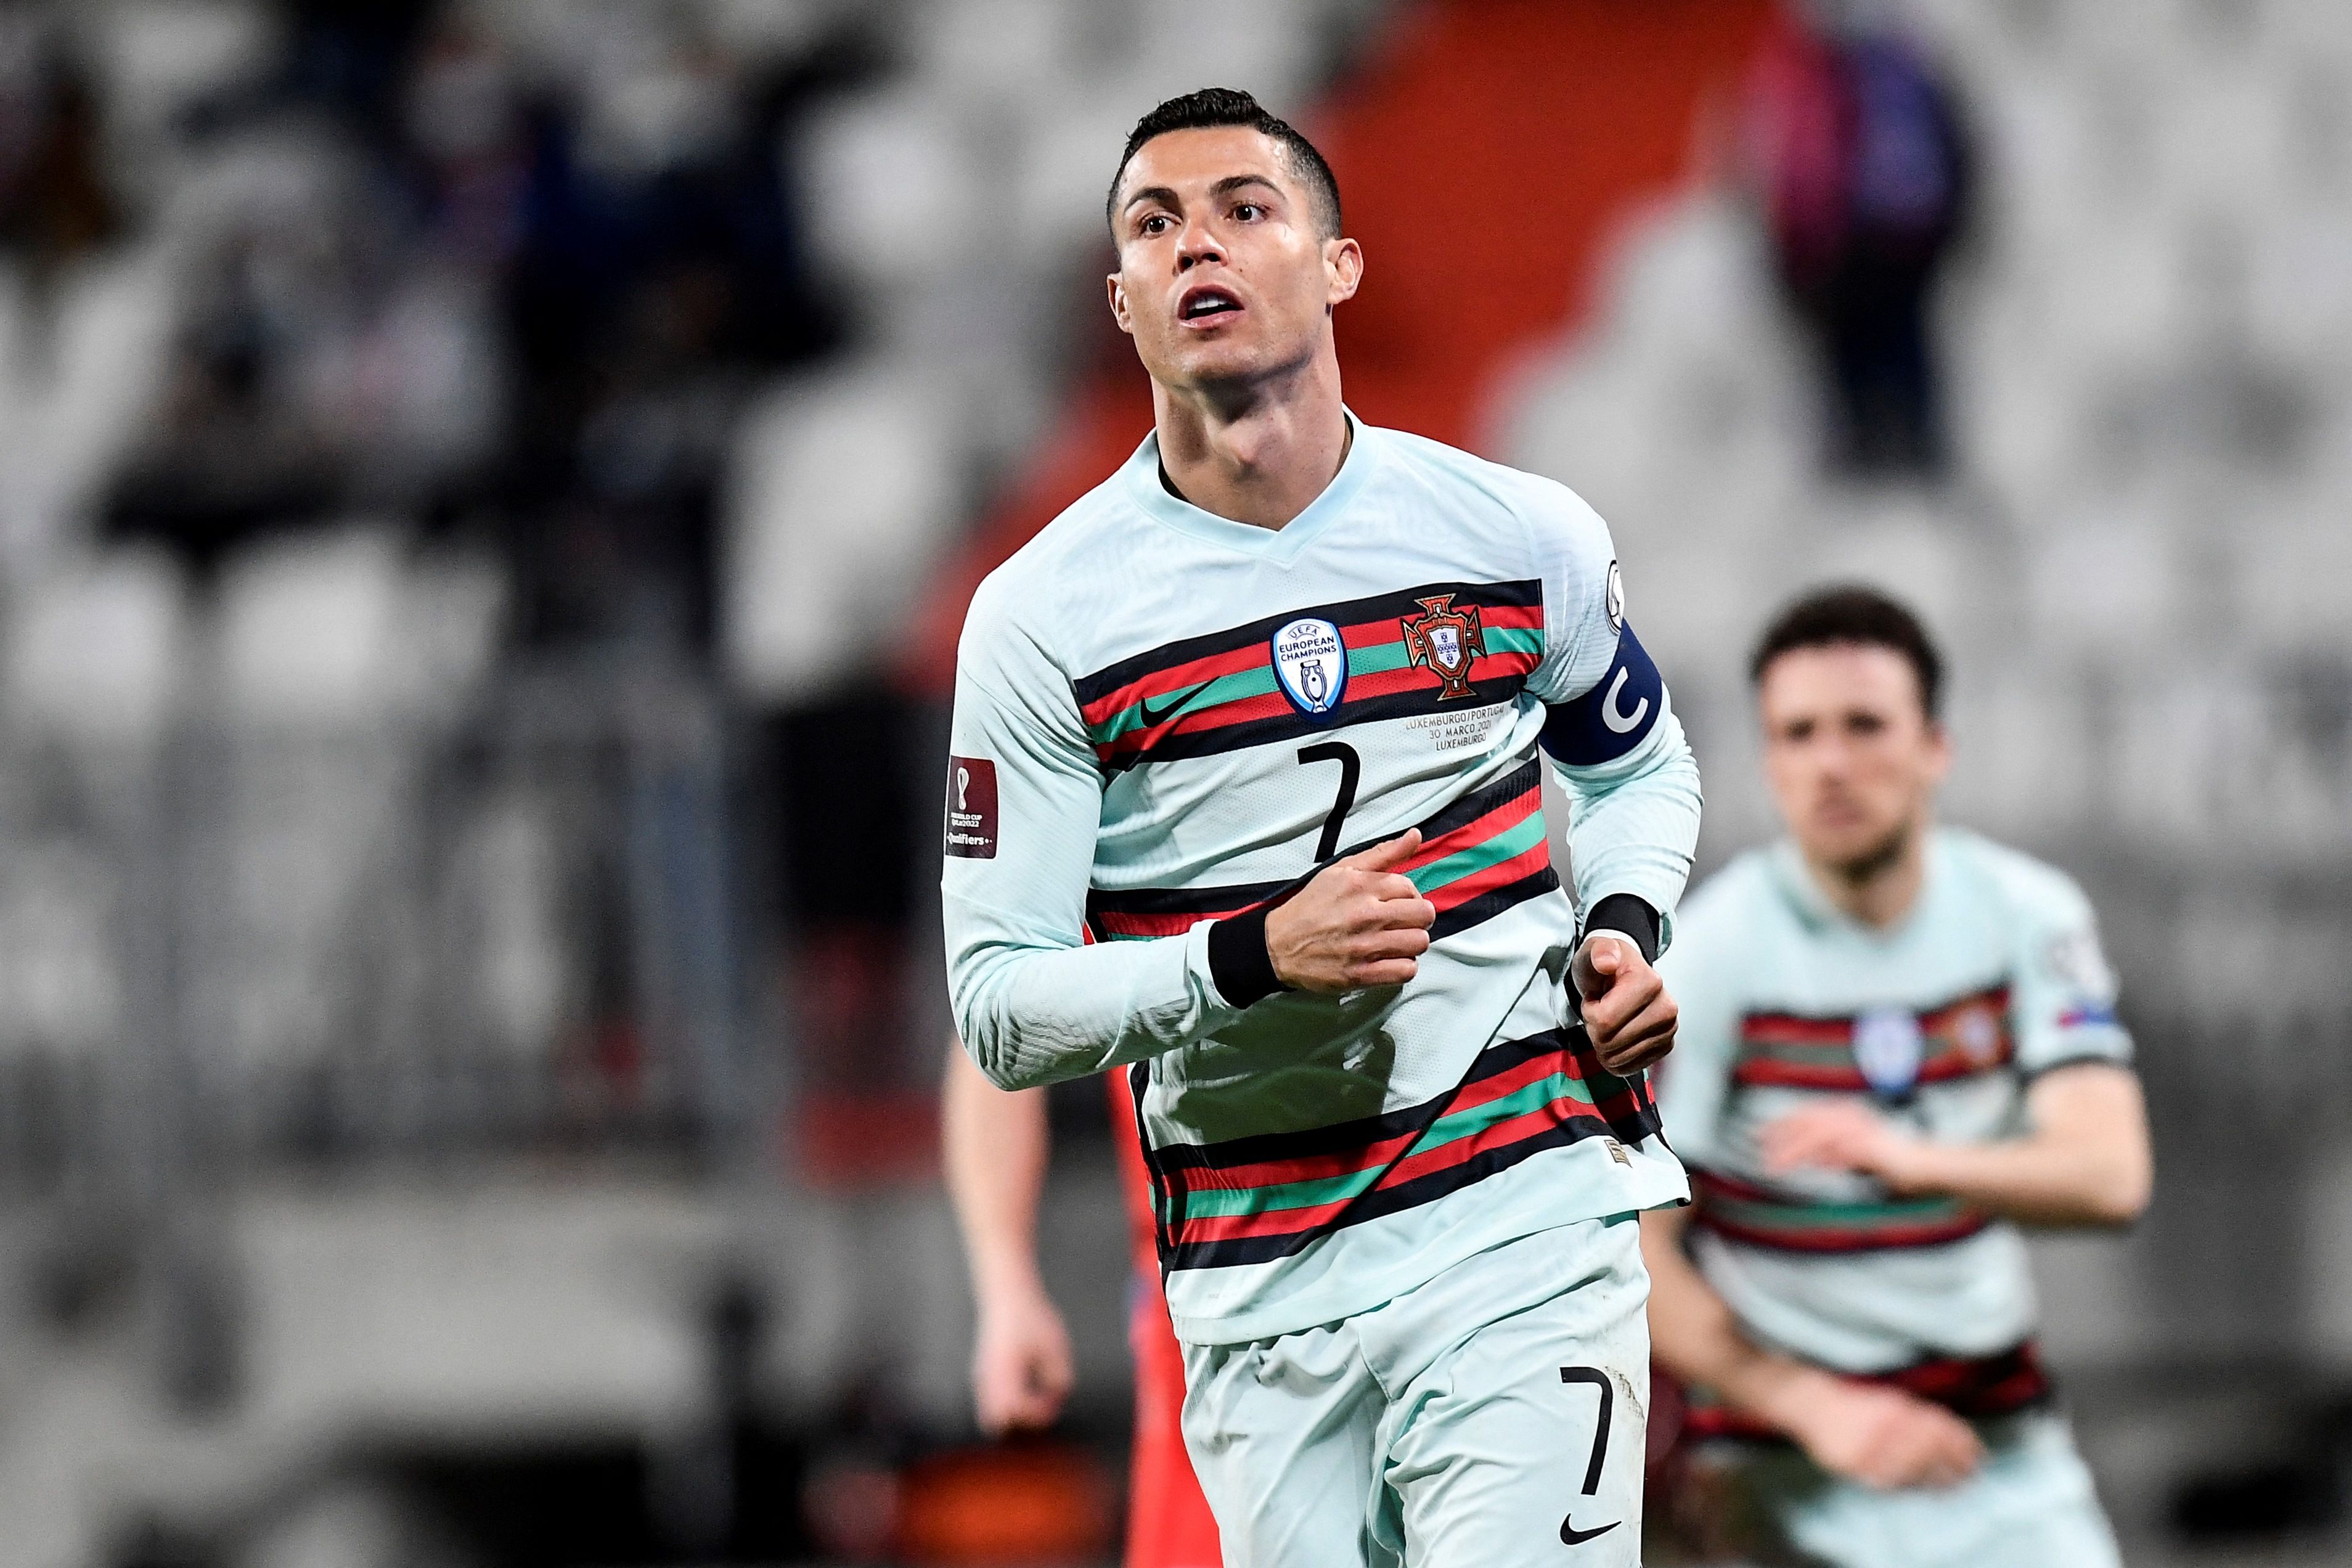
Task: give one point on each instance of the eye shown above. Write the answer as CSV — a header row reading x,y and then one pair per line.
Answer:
x,y
1153,223
1249,212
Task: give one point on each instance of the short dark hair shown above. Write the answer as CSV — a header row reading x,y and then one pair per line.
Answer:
x,y
1850,612
1215,106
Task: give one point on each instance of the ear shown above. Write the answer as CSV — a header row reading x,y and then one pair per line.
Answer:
x,y
1118,311
1939,751
1343,271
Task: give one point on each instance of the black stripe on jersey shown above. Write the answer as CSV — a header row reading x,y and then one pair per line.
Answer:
x,y
1226,899
1339,1136
1382,1202
1635,1120
1460,812
1493,902
1350,612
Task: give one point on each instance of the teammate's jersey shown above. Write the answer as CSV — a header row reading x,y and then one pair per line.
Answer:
x,y
1941,1021
1163,717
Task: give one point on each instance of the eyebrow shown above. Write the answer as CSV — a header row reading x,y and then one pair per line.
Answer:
x,y
1225,186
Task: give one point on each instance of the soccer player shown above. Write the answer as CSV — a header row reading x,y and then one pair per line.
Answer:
x,y
1245,800
997,1143
1898,1043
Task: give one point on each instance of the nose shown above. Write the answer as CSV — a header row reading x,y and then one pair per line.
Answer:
x,y
1195,245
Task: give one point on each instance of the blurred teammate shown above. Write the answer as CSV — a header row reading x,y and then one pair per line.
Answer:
x,y
1898,1041
1244,798
996,1151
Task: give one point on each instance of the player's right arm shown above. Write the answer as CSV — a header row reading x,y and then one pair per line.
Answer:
x,y
1879,1437
1035,1002
995,1150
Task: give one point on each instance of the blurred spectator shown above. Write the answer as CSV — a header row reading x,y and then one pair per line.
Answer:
x,y
1866,173
317,371
657,267
79,313
54,206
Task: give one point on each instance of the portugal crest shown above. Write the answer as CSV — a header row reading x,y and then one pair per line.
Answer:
x,y
1446,640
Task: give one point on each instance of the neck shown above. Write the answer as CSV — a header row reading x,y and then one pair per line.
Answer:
x,y
1880,888
1258,454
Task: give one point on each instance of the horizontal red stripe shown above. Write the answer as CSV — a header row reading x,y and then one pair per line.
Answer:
x,y
1341,1163
1946,1064
1502,1135
1271,704
1765,1073
1285,1222
1270,1222
1780,1030
1501,874
1512,618
1845,1238
1251,656
1302,1168
1175,678
1127,923
1477,830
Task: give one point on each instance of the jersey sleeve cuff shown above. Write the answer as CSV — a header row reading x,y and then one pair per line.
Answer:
x,y
1630,917
1239,964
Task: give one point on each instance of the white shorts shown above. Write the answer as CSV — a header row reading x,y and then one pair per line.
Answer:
x,y
2030,1505
1493,1416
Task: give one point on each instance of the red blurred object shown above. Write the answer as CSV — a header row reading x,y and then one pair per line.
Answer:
x,y
1036,1504
842,1139
1168,1524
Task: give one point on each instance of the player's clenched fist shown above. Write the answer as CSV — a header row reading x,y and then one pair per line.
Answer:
x,y
1884,1438
1627,1012
1359,921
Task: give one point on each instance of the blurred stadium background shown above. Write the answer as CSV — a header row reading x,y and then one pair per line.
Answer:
x,y
488,490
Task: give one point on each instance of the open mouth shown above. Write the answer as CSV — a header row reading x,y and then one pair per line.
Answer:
x,y
1208,304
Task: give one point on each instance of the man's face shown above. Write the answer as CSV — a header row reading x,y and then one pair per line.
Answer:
x,y
1223,275
1849,750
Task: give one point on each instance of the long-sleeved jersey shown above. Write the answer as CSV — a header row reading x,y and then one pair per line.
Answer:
x,y
1164,718
1993,977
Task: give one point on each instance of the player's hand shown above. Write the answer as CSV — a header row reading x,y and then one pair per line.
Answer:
x,y
1626,1009
1020,1366
1883,1437
1838,1135
1358,922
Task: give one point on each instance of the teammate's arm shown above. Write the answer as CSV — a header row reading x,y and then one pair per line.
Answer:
x,y
2084,1159
997,1146
1879,1437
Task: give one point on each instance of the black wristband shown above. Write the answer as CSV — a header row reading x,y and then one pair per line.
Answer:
x,y
1239,964
1632,917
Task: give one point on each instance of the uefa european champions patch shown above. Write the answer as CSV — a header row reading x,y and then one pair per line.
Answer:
x,y
1888,1050
1311,663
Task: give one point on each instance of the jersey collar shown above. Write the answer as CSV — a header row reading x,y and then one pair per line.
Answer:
x,y
1140,480
1795,881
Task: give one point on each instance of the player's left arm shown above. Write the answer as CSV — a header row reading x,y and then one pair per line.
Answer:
x,y
2082,1156
1632,783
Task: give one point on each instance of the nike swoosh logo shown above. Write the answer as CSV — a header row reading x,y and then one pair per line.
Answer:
x,y
1168,709
1572,1536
